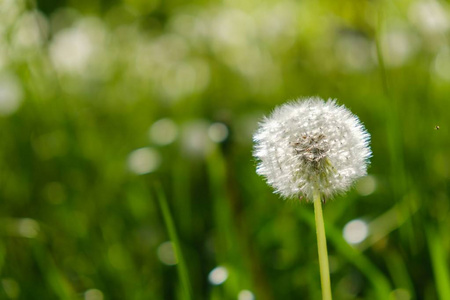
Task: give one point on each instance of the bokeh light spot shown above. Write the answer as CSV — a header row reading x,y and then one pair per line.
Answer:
x,y
32,29
398,46
77,50
10,94
166,254
195,141
71,50
366,185
163,132
218,132
246,295
218,275
93,294
28,228
429,16
144,160
355,231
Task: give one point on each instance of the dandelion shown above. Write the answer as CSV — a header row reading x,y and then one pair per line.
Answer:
x,y
311,145
313,149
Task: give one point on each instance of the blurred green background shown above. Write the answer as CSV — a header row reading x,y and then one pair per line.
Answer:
x,y
111,109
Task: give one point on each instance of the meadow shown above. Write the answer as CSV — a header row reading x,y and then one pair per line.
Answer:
x,y
126,167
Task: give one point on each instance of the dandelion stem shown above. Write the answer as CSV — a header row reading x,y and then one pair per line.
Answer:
x,y
322,248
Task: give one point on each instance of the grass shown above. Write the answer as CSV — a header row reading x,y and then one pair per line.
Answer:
x,y
168,221
79,92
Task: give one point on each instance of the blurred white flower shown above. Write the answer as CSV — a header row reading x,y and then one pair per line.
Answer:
x,y
195,142
355,231
79,49
246,295
218,275
28,228
70,50
429,16
144,160
10,10
11,94
398,46
218,132
31,30
309,145
163,132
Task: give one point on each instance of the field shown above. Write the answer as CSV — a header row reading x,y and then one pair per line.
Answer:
x,y
126,166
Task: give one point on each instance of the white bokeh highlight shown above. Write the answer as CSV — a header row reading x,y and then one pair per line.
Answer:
x,y
195,141
11,94
218,275
246,295
355,231
28,228
144,160
429,16
163,132
218,132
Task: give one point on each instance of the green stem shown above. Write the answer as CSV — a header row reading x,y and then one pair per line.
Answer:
x,y
170,225
322,248
439,263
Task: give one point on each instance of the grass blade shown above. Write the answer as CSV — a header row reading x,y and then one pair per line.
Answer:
x,y
439,263
170,225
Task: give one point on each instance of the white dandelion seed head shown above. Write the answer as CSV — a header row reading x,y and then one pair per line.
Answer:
x,y
309,144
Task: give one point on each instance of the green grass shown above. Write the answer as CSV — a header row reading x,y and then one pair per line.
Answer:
x,y
168,222
80,89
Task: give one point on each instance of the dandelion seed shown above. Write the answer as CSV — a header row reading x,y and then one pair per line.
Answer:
x,y
311,145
